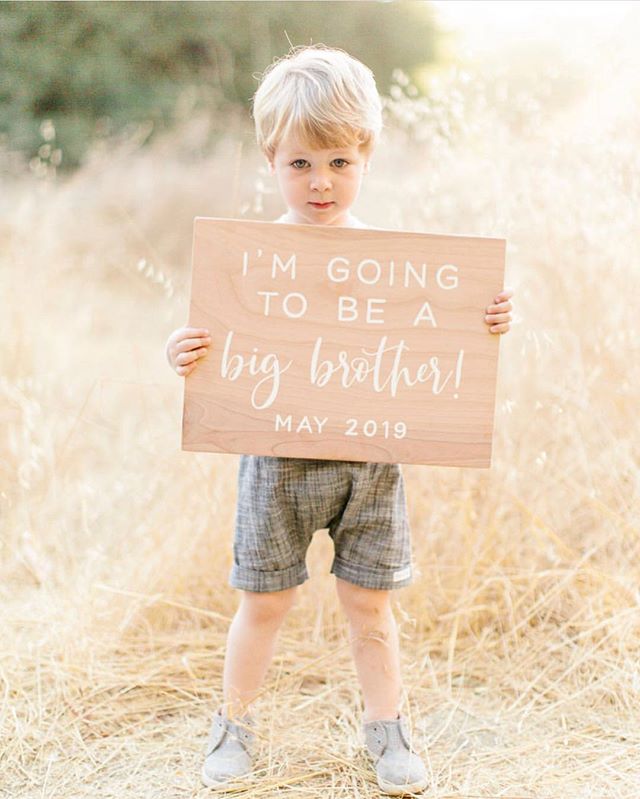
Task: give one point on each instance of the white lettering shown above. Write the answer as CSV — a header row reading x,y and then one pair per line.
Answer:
x,y
420,278
304,424
453,282
348,310
371,272
338,276
267,295
347,305
383,376
377,272
371,310
283,422
277,262
423,315
232,367
290,313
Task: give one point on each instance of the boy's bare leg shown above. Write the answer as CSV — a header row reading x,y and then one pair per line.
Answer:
x,y
375,647
250,646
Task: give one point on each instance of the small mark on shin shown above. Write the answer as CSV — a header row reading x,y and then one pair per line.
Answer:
x,y
374,636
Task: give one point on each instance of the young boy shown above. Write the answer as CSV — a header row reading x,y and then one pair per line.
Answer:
x,y
318,116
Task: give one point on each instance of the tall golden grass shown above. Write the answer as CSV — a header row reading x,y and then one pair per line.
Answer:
x,y
521,632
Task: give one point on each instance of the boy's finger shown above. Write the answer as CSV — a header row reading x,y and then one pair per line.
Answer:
x,y
501,308
497,318
185,358
190,332
192,343
505,294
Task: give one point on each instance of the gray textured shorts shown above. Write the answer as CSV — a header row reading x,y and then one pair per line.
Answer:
x,y
283,501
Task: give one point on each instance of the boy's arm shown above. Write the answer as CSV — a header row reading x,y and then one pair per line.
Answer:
x,y
498,315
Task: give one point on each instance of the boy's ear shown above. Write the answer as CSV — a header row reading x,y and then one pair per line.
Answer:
x,y
271,167
367,164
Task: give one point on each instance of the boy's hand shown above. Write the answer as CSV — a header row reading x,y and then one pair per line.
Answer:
x,y
185,346
498,316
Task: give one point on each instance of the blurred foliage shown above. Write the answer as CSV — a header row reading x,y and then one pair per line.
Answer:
x,y
73,71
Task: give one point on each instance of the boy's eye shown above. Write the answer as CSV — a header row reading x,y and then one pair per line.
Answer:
x,y
300,163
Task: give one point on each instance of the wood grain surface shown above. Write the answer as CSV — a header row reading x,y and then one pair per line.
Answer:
x,y
345,344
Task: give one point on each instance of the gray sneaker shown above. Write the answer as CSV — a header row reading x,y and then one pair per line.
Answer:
x,y
230,750
398,769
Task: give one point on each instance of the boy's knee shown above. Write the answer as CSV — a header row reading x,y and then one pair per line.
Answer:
x,y
356,599
267,606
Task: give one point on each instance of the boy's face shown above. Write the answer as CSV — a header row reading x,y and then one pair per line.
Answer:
x,y
308,178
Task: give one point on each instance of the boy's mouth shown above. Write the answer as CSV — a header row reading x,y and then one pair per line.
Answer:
x,y
321,205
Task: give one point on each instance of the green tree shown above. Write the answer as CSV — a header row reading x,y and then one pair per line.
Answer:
x,y
96,66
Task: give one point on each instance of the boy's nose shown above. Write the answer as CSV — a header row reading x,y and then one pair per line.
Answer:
x,y
320,181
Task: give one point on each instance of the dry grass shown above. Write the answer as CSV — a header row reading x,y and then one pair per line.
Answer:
x,y
521,632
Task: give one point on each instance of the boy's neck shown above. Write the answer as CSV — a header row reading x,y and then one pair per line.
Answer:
x,y
351,221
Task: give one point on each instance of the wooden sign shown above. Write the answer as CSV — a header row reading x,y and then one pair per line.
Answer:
x,y
343,344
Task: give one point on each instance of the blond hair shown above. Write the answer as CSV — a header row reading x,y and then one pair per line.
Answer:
x,y
321,95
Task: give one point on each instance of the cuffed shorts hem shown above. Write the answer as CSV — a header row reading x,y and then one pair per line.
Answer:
x,y
368,577
253,580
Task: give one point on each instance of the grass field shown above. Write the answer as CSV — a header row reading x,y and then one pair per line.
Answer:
x,y
521,631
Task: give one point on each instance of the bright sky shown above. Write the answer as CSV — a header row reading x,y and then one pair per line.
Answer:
x,y
600,37
484,24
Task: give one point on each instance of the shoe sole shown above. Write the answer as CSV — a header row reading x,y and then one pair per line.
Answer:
x,y
400,790
234,783
392,788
